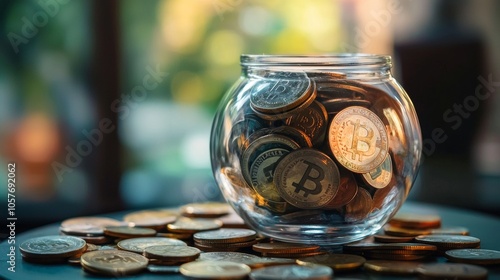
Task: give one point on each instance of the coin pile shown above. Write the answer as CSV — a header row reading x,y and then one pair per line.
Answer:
x,y
315,141
238,253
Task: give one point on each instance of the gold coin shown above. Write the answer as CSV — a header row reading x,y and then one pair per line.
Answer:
x,y
307,178
281,248
192,225
358,139
381,176
415,221
359,207
88,226
113,262
474,256
452,271
338,262
215,270
155,219
206,209
177,253
225,235
392,267
128,232
138,245
450,231
52,246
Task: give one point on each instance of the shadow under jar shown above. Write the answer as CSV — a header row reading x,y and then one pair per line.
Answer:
x,y
315,149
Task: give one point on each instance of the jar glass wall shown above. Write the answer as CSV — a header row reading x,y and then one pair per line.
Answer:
x,y
316,149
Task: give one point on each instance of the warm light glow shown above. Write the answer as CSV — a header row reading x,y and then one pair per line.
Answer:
x,y
37,138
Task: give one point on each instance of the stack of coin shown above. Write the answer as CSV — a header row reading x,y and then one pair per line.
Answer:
x,y
287,250
293,272
392,251
449,242
206,210
409,225
153,219
315,141
171,254
252,261
225,240
193,225
52,249
338,262
139,244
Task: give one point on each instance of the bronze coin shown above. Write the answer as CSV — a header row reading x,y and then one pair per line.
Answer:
x,y
113,262
206,209
415,221
348,189
279,247
128,232
312,121
192,225
359,207
215,270
177,253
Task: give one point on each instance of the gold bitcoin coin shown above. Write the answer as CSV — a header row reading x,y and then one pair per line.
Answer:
x,y
338,262
307,178
358,139
215,270
113,262
138,245
381,176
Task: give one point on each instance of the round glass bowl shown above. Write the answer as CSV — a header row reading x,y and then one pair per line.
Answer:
x,y
315,149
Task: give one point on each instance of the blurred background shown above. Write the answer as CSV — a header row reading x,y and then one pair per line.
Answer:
x,y
107,105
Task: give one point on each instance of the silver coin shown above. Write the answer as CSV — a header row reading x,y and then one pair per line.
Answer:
x,y
53,246
226,235
229,256
137,245
293,272
474,256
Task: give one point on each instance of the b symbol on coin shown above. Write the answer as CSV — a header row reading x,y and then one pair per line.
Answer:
x,y
300,186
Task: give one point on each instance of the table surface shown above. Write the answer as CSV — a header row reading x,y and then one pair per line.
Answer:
x,y
484,227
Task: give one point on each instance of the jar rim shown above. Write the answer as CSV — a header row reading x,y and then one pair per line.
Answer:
x,y
336,59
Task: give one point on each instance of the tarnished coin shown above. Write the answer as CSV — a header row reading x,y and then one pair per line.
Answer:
x,y
452,271
52,246
392,267
88,226
474,256
358,139
137,245
128,232
280,92
225,235
177,253
381,176
165,269
206,209
113,262
215,270
415,221
312,121
293,272
338,262
348,188
281,248
447,242
359,207
307,178
155,219
192,225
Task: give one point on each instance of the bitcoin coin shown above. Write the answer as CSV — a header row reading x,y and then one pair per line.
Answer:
x,y
307,178
293,272
137,245
176,253
474,256
338,262
113,262
205,209
215,270
359,207
52,246
193,225
358,139
452,271
312,121
381,176
88,226
156,219
225,236
280,92
128,232
415,221
348,188
392,267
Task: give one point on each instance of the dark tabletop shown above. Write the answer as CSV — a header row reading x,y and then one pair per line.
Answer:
x,y
484,227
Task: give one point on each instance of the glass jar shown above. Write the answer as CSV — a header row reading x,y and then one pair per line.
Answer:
x,y
315,149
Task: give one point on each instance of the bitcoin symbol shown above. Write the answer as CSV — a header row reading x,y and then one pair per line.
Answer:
x,y
300,186
356,147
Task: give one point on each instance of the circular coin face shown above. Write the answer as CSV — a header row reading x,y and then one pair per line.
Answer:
x,y
312,120
474,256
279,247
280,91
359,207
452,271
137,245
176,252
225,235
215,270
450,241
52,246
113,262
292,272
381,176
358,139
88,225
307,178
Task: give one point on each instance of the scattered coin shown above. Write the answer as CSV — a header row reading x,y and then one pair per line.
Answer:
x,y
128,232
193,225
338,262
206,210
139,244
215,270
474,256
88,226
283,248
448,242
166,269
392,267
155,219
225,236
452,271
293,272
415,221
52,246
113,262
176,253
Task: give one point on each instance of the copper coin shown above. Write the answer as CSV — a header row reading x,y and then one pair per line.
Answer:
x,y
206,209
338,262
312,121
359,207
279,247
150,218
225,236
392,239
415,221
405,232
88,226
113,262
348,189
128,232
